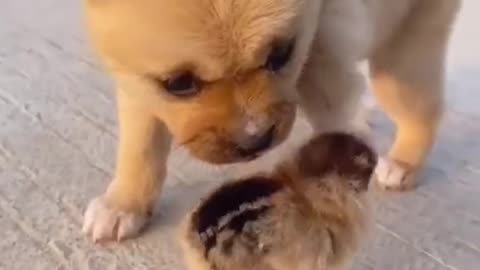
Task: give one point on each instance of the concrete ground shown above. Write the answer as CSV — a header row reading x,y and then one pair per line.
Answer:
x,y
57,143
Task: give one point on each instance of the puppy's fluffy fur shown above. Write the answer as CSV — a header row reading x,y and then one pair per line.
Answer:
x,y
312,213
242,82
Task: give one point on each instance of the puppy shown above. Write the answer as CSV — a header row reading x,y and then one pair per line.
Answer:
x,y
312,213
224,79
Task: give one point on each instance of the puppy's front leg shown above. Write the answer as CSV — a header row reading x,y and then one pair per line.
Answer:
x,y
141,165
408,77
330,93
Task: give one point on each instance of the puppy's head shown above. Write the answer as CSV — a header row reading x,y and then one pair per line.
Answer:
x,y
219,73
338,159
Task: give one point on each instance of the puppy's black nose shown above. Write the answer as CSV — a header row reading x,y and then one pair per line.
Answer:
x,y
256,144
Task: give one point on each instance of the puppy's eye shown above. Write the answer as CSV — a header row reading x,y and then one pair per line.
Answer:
x,y
182,85
279,56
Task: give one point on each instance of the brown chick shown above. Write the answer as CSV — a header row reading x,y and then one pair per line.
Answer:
x,y
310,213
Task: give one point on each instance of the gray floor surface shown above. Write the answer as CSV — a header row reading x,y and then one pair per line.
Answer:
x,y
57,144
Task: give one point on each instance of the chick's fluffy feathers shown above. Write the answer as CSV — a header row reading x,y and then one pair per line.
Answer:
x,y
309,214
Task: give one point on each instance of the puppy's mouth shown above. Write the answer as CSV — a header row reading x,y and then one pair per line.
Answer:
x,y
217,149
259,146
218,146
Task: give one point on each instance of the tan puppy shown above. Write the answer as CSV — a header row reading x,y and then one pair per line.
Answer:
x,y
312,213
224,78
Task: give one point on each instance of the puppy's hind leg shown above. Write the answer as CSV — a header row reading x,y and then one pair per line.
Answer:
x,y
408,79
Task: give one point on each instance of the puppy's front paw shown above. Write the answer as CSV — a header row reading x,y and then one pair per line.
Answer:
x,y
395,176
104,221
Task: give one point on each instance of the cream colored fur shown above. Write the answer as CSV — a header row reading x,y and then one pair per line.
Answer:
x,y
225,42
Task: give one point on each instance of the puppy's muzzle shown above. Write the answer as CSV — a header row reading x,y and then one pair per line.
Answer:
x,y
253,145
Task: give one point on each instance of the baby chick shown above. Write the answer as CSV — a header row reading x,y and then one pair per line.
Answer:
x,y
311,213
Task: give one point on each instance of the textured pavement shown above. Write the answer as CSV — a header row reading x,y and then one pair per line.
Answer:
x,y
57,145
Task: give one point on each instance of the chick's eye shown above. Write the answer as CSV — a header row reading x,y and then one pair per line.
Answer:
x,y
182,85
279,56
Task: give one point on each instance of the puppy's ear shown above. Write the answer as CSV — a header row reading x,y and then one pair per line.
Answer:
x,y
339,154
